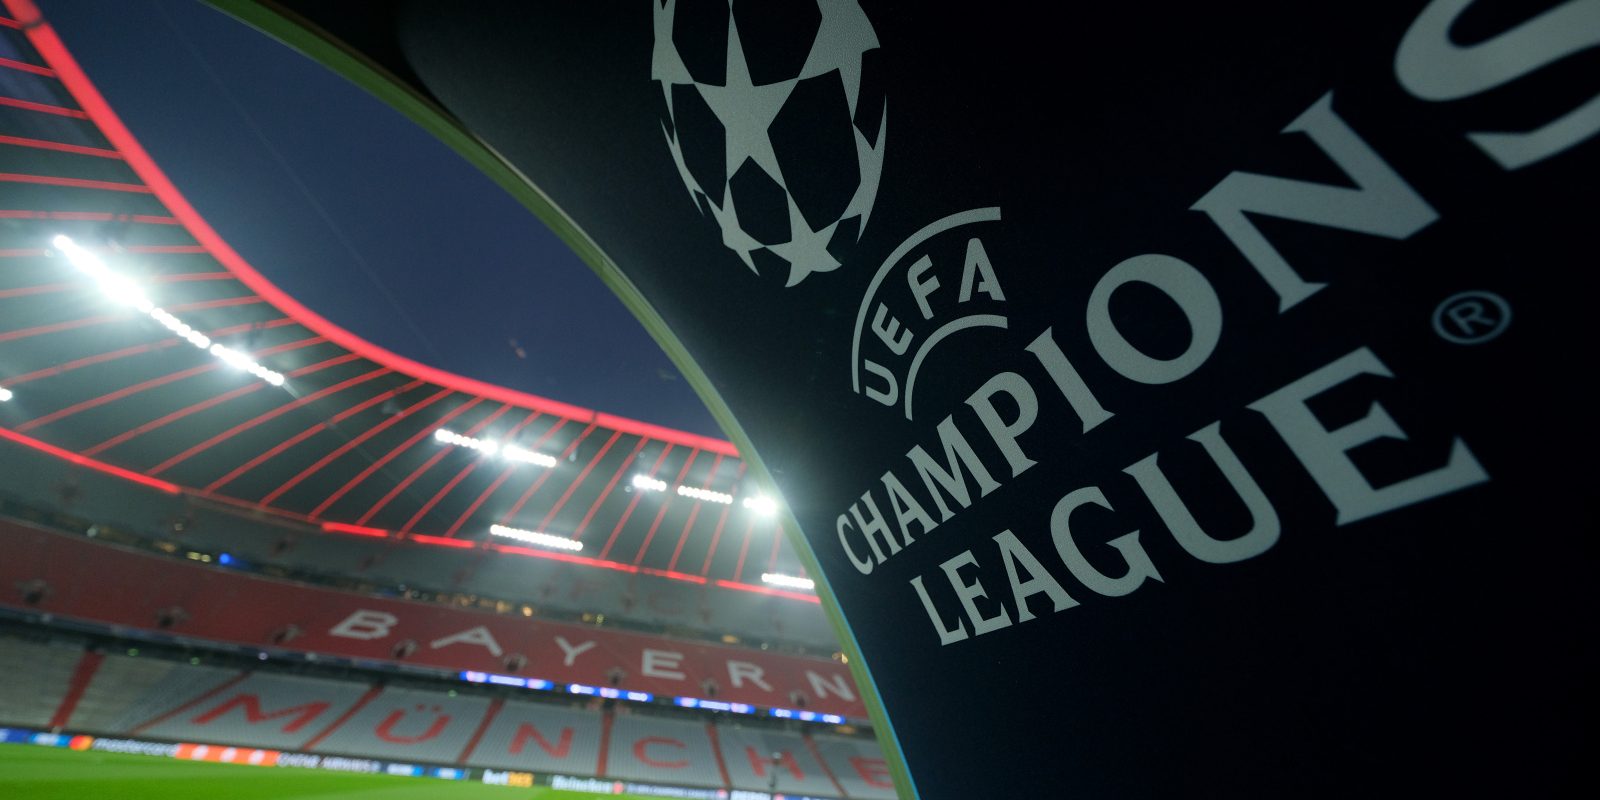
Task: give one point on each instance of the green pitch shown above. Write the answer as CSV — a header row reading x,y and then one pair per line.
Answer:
x,y
49,773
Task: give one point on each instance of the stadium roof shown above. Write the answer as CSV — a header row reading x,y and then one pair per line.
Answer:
x,y
143,345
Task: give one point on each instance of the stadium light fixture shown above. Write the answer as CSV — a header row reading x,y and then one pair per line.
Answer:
x,y
126,292
515,453
483,446
649,484
489,447
535,537
5,394
788,581
707,495
762,505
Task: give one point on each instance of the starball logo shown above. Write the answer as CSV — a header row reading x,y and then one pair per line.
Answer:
x,y
779,139
770,127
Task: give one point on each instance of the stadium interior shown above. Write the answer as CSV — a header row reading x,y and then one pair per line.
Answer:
x,y
235,532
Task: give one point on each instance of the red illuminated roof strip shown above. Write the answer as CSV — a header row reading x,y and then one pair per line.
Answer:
x,y
51,288
577,533
95,402
317,428
460,474
152,383
137,349
7,22
661,512
394,453
441,541
253,508
173,417
744,549
694,513
88,216
558,556
516,508
192,277
72,183
544,524
767,590
322,365
716,537
476,504
23,66
358,530
165,249
196,408
683,538
44,39
498,481
449,487
415,474
43,288
57,327
85,461
28,105
62,147
633,502
677,576
351,445
257,420
777,542
379,533
722,521
376,532
223,302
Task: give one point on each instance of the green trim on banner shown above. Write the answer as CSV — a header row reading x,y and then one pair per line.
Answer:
x,y
321,47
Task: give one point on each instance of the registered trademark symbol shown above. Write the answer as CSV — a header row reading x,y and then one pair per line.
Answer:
x,y
1472,317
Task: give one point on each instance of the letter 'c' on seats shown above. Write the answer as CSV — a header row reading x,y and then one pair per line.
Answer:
x,y
641,751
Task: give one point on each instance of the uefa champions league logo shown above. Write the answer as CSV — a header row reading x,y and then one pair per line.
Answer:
x,y
777,127
769,126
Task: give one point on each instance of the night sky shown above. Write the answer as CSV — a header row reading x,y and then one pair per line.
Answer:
x,y
364,217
